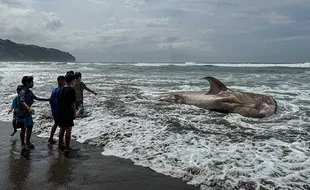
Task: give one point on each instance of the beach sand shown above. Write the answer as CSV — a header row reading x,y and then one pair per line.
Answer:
x,y
45,168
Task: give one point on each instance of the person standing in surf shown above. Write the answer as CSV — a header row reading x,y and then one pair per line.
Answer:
x,y
79,88
24,118
61,80
15,104
66,102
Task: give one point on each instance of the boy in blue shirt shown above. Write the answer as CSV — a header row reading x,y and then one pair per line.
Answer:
x,y
61,80
14,107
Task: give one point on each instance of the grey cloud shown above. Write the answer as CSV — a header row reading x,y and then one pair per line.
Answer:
x,y
134,3
17,3
97,2
52,21
163,30
171,39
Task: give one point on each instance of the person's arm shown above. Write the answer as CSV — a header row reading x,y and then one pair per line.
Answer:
x,y
50,101
14,103
11,109
89,90
26,107
73,103
41,99
23,103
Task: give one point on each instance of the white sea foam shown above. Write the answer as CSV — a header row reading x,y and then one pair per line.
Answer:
x,y
204,148
190,64
157,64
297,65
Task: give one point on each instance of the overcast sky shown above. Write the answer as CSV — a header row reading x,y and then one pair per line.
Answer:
x,y
163,30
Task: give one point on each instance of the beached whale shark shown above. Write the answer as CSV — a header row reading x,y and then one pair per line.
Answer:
x,y
221,99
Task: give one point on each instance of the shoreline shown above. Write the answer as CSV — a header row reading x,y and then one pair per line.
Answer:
x,y
86,168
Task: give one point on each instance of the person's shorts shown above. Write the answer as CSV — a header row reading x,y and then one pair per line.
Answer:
x,y
20,124
26,122
66,122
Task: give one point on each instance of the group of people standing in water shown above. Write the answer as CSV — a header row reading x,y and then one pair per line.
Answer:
x,y
65,100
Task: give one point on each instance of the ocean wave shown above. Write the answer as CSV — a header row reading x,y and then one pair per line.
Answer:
x,y
293,65
157,64
193,64
180,64
204,148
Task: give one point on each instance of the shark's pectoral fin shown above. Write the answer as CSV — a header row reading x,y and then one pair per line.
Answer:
x,y
216,86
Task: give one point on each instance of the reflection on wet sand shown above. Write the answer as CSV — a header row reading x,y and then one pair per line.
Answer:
x,y
22,163
19,167
60,171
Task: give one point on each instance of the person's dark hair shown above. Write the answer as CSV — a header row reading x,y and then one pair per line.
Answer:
x,y
59,78
78,75
26,80
19,88
70,72
69,78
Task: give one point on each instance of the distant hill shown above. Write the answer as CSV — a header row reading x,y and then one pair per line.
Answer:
x,y
10,51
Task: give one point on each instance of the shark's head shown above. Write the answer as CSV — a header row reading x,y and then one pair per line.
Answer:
x,y
275,105
269,104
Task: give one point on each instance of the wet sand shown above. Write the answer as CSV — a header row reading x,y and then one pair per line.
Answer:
x,y
45,168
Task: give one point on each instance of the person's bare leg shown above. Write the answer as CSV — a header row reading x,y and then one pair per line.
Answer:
x,y
22,137
82,109
14,127
51,139
61,138
29,132
68,137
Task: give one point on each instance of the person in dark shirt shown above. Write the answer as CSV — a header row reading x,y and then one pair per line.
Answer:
x,y
79,88
14,107
61,80
66,101
24,115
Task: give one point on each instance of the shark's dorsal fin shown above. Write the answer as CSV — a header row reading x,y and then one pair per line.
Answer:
x,y
216,86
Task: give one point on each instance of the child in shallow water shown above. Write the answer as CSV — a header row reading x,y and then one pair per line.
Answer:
x,y
14,107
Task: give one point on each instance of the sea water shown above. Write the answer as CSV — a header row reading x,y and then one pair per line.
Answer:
x,y
208,149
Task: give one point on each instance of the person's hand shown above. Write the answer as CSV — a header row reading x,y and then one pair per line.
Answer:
x,y
31,111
